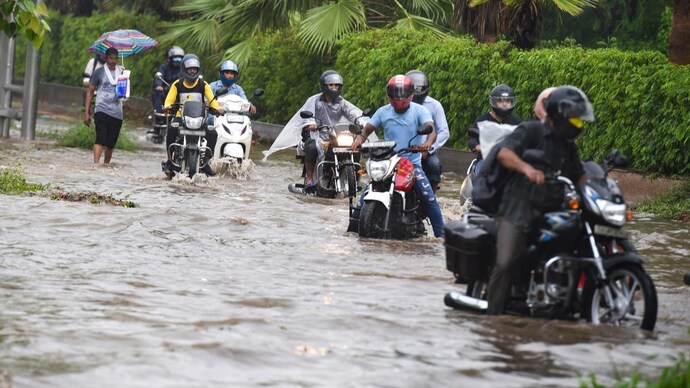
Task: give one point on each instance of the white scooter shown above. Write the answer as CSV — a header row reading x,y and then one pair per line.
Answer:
x,y
234,128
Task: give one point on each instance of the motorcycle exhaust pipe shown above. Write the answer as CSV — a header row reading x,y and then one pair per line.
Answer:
x,y
461,301
686,278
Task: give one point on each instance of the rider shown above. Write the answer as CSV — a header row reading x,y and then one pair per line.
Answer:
x,y
189,88
567,108
400,120
229,74
430,160
329,109
502,101
171,72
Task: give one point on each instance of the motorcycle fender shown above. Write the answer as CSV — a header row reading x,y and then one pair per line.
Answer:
x,y
625,257
384,198
233,150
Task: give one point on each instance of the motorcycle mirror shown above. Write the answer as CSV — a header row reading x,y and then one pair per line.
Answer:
x,y
425,129
366,112
221,92
617,159
258,92
158,75
305,114
353,128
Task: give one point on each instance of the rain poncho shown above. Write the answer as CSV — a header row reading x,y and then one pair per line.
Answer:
x,y
324,114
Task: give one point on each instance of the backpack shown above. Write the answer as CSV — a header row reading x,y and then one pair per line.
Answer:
x,y
488,184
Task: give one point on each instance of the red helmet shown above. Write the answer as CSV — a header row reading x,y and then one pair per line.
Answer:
x,y
400,91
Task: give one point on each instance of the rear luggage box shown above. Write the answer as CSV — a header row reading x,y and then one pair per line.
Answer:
x,y
470,250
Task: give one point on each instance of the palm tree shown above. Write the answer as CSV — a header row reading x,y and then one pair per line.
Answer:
x,y
519,20
216,23
679,41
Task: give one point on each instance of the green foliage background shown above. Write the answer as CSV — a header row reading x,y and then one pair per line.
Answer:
x,y
639,98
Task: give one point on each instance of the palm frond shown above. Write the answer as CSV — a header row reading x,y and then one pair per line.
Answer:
x,y
240,52
419,23
323,25
205,9
437,10
201,35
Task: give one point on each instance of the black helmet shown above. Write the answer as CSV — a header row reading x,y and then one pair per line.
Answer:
x,y
331,77
499,96
421,85
568,107
190,61
175,55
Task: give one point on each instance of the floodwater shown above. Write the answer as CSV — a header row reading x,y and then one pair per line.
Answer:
x,y
233,281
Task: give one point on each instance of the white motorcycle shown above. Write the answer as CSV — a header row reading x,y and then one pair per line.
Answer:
x,y
234,128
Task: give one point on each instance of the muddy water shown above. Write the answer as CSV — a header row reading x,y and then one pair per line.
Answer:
x,y
232,281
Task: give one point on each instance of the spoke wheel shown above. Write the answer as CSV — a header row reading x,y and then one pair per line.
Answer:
x,y
634,299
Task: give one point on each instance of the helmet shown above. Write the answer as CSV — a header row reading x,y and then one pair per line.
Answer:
x,y
498,98
400,91
231,66
175,55
190,61
568,107
331,77
421,85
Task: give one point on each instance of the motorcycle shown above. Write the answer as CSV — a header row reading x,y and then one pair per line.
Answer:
x,y
234,128
580,262
391,208
337,173
466,186
189,152
159,120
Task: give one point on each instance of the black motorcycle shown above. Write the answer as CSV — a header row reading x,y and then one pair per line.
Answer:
x,y
189,152
159,120
337,173
580,262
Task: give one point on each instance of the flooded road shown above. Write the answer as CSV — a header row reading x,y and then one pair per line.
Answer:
x,y
233,281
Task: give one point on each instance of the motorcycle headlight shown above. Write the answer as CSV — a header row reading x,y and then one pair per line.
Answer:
x,y
377,169
193,122
613,213
345,139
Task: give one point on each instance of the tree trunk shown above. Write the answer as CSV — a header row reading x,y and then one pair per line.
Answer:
x,y
679,41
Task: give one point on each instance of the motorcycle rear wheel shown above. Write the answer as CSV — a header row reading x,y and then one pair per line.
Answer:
x,y
371,220
628,281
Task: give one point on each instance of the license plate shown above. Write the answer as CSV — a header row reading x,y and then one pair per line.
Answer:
x,y
611,232
341,150
189,132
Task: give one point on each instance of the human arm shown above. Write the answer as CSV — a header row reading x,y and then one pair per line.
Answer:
x,y
88,70
158,83
171,97
509,159
473,138
208,93
441,125
240,92
362,136
87,104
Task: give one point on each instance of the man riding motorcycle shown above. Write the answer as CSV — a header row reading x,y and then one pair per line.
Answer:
x,y
567,109
171,72
430,160
400,120
189,88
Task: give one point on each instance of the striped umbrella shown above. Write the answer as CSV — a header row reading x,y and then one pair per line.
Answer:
x,y
127,42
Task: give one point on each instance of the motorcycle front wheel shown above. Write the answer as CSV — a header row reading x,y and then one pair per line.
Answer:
x,y
348,180
193,162
371,220
634,299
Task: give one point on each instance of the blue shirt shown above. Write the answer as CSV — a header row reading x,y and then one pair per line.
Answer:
x,y
401,127
233,89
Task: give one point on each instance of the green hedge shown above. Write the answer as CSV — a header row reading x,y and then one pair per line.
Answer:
x,y
640,100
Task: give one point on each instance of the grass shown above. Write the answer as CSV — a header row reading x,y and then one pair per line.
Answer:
x,y
13,182
676,375
81,136
674,205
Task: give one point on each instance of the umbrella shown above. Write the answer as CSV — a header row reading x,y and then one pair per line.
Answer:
x,y
127,42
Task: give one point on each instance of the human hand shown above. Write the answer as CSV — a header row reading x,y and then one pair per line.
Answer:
x,y
478,148
534,175
159,89
357,143
252,108
166,108
312,127
87,118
